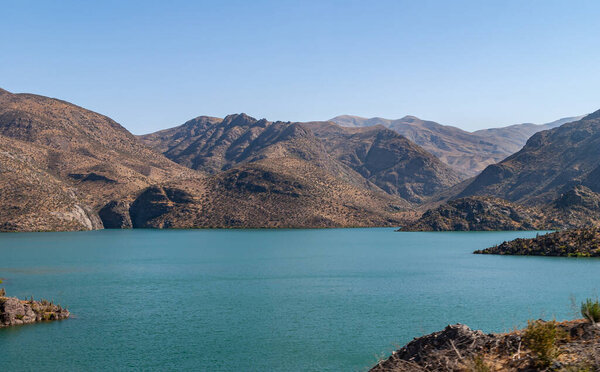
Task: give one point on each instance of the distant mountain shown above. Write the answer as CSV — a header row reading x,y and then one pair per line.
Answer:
x,y
515,136
551,163
373,158
395,164
467,153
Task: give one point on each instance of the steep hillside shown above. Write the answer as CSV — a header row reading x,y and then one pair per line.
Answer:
x,y
387,159
578,207
86,150
374,158
31,199
62,163
468,153
67,168
478,214
551,163
289,192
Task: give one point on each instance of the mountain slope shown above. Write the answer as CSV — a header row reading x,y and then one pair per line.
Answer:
x,y
387,159
86,150
364,158
61,163
289,192
551,163
466,152
67,168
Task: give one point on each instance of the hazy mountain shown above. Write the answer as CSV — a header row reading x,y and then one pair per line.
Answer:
x,y
551,163
466,152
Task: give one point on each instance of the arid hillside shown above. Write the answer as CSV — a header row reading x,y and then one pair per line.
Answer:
x,y
466,152
68,168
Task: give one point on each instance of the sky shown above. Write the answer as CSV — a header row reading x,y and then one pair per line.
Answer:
x,y
151,65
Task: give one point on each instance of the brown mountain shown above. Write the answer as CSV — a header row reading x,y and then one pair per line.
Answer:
x,y
551,163
373,158
63,163
387,159
288,192
578,207
466,152
67,168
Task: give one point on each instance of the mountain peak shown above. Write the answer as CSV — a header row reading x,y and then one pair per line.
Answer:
x,y
410,118
239,119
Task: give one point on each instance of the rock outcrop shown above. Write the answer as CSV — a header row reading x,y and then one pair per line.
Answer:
x,y
14,311
567,243
576,208
458,348
478,214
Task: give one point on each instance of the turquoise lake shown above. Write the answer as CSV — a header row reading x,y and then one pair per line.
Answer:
x,y
268,300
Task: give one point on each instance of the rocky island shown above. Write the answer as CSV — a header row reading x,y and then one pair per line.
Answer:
x,y
14,311
567,243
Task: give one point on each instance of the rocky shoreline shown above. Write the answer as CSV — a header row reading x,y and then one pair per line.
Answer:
x,y
576,347
14,311
567,243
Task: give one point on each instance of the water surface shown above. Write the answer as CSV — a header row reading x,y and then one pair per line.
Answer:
x,y
268,300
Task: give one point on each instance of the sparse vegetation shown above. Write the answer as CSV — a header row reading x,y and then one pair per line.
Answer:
x,y
541,337
567,243
590,310
478,364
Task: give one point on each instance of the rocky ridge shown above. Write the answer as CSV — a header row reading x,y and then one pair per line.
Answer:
x,y
551,163
566,243
466,152
578,207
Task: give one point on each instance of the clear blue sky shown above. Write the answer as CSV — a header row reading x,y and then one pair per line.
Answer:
x,y
155,64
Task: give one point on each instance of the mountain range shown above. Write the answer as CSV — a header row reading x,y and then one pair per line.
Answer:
x,y
67,168
557,172
466,152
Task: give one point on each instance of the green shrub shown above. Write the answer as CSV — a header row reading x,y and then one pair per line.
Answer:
x,y
590,309
478,364
541,337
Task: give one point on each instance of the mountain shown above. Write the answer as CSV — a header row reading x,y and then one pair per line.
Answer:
x,y
373,158
389,160
62,163
557,173
551,163
67,168
514,137
575,208
466,152
287,193
481,213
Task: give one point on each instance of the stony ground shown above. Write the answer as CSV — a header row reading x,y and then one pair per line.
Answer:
x,y
458,348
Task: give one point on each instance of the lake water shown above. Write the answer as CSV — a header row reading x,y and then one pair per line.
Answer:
x,y
268,300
